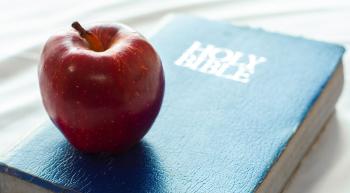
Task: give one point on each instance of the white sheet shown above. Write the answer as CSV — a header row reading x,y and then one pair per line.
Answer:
x,y
25,25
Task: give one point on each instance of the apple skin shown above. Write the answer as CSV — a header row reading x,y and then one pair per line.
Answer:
x,y
101,101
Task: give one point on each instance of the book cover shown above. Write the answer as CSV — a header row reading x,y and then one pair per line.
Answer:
x,y
241,105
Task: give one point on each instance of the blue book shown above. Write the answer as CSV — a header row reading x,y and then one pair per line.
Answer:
x,y
240,110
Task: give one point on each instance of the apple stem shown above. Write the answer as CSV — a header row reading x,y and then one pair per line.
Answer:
x,y
94,43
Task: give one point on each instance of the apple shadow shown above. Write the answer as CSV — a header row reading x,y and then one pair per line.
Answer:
x,y
137,170
319,159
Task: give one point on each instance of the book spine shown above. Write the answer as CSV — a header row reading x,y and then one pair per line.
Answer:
x,y
13,180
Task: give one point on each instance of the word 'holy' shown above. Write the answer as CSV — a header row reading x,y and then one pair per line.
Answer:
x,y
221,62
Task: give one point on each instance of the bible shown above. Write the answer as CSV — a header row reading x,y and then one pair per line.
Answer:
x,y
241,108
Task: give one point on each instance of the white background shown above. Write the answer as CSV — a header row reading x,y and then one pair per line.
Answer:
x,y
25,26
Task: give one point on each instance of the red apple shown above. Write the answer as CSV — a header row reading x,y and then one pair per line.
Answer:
x,y
102,87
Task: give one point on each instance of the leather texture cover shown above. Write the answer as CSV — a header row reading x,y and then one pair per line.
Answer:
x,y
234,98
